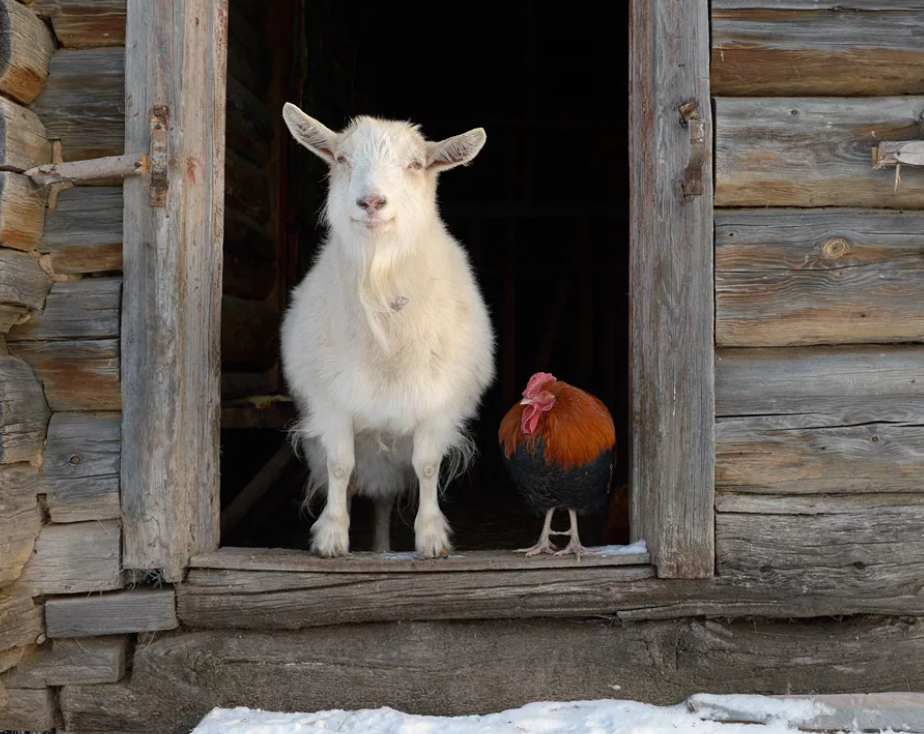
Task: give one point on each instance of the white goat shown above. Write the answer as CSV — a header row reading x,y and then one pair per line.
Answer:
x,y
387,346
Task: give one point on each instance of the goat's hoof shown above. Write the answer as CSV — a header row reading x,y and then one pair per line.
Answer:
x,y
431,537
330,538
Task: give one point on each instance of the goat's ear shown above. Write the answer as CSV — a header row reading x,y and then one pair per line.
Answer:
x,y
309,132
456,151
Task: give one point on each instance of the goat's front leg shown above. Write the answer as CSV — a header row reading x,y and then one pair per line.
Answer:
x,y
431,531
330,534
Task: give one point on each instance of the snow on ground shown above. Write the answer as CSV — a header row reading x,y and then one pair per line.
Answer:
x,y
577,717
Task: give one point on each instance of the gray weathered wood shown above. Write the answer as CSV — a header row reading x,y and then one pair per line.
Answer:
x,y
71,558
11,658
11,315
22,211
76,375
80,467
83,102
827,504
22,138
249,334
83,23
826,48
20,619
29,709
23,412
876,547
121,612
818,277
172,298
84,233
22,280
811,152
25,47
20,519
83,661
794,454
821,5
671,289
177,680
94,169
77,309
834,386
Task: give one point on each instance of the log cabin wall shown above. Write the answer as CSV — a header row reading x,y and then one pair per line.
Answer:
x,y
819,267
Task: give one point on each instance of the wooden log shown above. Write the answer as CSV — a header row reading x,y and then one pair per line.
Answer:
x,y
833,386
250,58
20,619
71,558
793,454
246,188
121,612
812,152
83,102
673,287
11,315
352,667
84,23
29,710
243,236
249,125
11,658
20,519
77,309
22,211
836,50
873,547
76,375
818,277
95,169
22,281
249,335
84,233
856,5
23,412
22,138
246,277
25,48
86,661
80,467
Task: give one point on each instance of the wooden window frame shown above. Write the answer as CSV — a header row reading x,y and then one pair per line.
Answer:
x,y
176,60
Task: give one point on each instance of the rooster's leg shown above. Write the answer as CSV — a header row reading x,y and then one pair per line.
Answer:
x,y
544,545
574,545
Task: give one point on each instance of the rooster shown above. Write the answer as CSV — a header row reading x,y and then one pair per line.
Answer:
x,y
559,446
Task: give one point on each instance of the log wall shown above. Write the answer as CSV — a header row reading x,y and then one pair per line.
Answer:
x,y
819,294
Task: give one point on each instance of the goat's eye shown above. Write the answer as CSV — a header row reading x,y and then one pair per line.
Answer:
x,y
415,165
342,160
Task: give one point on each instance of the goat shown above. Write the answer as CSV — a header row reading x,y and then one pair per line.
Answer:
x,y
387,346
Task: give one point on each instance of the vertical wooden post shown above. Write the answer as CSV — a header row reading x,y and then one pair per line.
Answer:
x,y
176,56
671,287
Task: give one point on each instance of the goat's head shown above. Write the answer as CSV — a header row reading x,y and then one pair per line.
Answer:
x,y
383,173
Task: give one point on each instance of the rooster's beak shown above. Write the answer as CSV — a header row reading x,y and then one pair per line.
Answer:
x,y
525,401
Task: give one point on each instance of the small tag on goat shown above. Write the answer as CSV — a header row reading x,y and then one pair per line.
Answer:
x,y
399,303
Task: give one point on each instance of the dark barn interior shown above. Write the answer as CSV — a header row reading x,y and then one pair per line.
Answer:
x,y
543,212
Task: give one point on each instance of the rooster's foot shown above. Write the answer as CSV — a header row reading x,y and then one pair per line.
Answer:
x,y
574,547
543,546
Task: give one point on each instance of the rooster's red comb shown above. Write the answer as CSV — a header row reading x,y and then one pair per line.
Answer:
x,y
536,383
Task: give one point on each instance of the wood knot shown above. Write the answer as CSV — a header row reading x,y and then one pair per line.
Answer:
x,y
836,247
73,459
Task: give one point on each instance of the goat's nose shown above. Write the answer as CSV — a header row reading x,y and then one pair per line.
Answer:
x,y
371,203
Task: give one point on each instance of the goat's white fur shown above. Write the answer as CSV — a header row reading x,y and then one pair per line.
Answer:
x,y
387,346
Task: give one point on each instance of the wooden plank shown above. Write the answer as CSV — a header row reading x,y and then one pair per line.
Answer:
x,y
22,280
25,47
818,277
855,5
22,211
77,309
29,710
20,619
70,558
121,612
813,152
672,291
172,298
80,467
83,102
23,412
871,547
84,233
793,454
834,386
249,335
20,519
836,50
830,504
76,375
22,138
85,661
177,680
83,23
